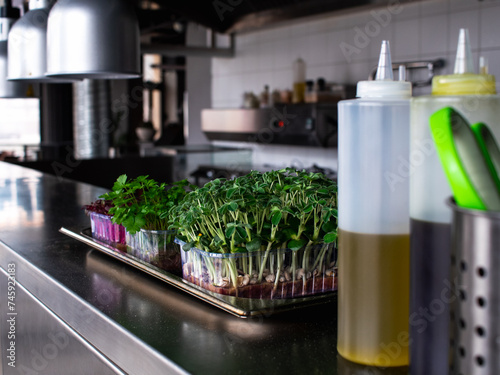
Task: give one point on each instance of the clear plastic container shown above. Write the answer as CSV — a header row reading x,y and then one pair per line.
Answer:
x,y
106,231
374,226
474,96
283,273
156,247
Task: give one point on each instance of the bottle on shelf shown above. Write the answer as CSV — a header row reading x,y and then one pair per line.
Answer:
x,y
299,81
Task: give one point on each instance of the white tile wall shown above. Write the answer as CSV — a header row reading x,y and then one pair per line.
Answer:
x,y
469,19
406,40
490,27
345,48
434,34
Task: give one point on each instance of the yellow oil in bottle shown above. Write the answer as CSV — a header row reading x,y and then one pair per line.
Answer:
x,y
299,92
373,305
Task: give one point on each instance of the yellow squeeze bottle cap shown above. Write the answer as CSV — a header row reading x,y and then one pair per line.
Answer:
x,y
464,81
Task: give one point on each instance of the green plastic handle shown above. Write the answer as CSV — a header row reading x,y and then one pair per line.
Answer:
x,y
489,147
467,170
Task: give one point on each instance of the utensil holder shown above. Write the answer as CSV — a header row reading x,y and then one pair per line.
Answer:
x,y
476,271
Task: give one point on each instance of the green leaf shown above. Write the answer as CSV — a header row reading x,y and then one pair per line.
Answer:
x,y
241,231
188,246
289,233
329,226
216,241
274,202
128,223
276,217
229,231
330,237
230,192
254,245
308,208
140,221
239,250
297,244
122,179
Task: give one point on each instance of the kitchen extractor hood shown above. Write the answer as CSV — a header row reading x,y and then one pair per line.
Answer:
x,y
229,16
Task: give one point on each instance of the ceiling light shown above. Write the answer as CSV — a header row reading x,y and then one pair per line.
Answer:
x,y
93,39
27,49
8,16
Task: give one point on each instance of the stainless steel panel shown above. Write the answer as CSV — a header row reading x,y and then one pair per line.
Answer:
x,y
235,120
39,342
475,246
304,124
92,118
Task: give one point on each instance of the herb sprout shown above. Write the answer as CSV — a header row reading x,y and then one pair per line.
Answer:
x,y
99,206
143,203
260,212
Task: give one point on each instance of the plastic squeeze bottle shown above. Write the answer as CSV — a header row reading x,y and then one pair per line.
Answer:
x,y
374,223
432,292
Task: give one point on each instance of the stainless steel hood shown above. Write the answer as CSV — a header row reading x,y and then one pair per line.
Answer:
x,y
228,16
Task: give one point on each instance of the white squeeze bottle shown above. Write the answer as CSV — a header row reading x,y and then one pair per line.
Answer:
x,y
374,223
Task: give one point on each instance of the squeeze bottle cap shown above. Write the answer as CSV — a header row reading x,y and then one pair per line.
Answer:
x,y
463,60
384,86
384,69
464,80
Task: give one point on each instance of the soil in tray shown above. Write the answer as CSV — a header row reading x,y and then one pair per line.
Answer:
x,y
266,290
169,261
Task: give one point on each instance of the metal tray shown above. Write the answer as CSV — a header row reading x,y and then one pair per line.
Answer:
x,y
240,307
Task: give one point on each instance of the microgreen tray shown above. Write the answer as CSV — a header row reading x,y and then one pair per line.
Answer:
x,y
238,306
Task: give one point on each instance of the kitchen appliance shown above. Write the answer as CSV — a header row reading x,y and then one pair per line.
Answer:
x,y
374,220
305,124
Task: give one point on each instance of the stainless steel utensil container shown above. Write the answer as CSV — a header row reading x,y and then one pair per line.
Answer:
x,y
476,272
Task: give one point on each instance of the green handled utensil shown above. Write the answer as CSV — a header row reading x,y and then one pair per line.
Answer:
x,y
468,166
488,145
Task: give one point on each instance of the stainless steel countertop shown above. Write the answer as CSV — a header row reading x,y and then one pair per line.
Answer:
x,y
141,324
